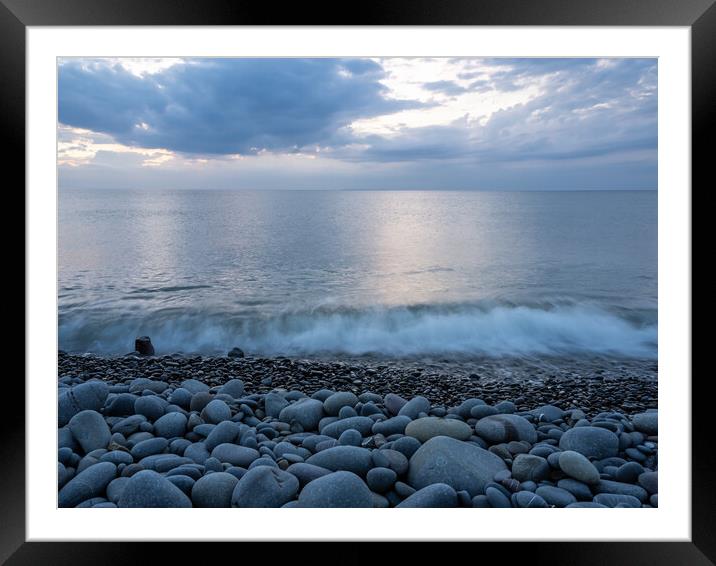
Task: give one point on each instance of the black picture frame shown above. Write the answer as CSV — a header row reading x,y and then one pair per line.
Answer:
x,y
16,15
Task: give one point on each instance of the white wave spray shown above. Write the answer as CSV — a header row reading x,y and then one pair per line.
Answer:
x,y
409,331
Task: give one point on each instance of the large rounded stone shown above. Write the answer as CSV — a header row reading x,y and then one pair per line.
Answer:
x,y
648,423
216,411
547,413
90,430
347,458
362,424
528,467
150,406
395,425
264,486
305,412
618,488
150,489
426,428
149,447
333,404
224,432
306,472
414,407
591,441
497,429
90,395
170,425
234,454
214,490
578,467
435,495
233,388
555,496
461,465
89,483
274,404
394,403
339,489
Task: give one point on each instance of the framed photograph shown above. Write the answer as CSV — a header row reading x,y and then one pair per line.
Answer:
x,y
420,276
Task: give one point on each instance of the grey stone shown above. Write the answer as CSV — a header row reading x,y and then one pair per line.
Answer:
x,y
577,465
185,483
434,495
333,404
149,447
415,406
150,489
306,412
90,430
213,490
197,452
128,425
406,445
347,458
117,457
265,486
180,397
497,498
629,472
381,480
216,411
307,472
194,386
528,467
608,486
481,411
115,489
577,488
459,464
592,442
122,405
234,388
548,413
527,500
224,432
274,404
650,482
90,395
150,406
648,423
235,454
362,424
555,496
614,500
426,428
338,489
87,484
496,429
394,403
170,425
350,437
395,425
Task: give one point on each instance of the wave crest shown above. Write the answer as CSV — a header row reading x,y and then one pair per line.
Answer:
x,y
502,330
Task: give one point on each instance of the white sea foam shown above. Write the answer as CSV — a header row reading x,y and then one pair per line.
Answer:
x,y
498,330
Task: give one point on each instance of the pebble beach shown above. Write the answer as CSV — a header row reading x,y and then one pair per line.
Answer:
x,y
235,431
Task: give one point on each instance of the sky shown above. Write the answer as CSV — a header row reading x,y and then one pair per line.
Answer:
x,y
325,123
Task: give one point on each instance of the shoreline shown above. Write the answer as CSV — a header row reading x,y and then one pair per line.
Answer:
x,y
591,384
170,431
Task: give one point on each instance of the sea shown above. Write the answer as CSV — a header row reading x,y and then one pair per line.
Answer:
x,y
396,274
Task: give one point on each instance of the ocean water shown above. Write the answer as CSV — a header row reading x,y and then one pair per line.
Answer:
x,y
386,273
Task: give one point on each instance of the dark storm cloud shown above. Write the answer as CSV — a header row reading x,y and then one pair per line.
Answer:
x,y
224,106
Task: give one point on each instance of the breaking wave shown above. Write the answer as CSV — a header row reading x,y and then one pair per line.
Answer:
x,y
469,329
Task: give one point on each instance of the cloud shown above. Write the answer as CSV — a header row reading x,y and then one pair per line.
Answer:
x,y
465,123
224,106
